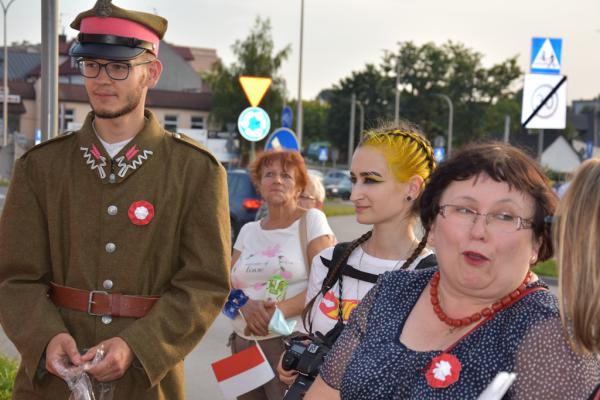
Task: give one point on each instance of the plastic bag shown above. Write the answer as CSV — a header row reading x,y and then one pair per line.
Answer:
x,y
82,385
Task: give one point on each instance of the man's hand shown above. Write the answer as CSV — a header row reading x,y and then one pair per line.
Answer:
x,y
117,359
257,314
61,352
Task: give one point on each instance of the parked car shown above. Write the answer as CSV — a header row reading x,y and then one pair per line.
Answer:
x,y
341,188
335,175
244,201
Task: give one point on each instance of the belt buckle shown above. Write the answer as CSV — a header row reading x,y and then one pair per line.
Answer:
x,y
91,301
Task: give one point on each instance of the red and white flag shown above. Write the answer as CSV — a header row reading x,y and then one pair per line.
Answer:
x,y
242,372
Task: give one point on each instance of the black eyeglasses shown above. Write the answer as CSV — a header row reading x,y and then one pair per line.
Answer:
x,y
116,70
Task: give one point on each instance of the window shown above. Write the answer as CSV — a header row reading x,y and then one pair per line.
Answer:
x,y
171,123
197,122
68,117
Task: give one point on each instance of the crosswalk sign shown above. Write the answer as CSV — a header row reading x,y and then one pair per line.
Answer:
x,y
546,55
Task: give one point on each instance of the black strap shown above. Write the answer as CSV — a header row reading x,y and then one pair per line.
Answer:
x,y
595,394
427,262
348,270
115,40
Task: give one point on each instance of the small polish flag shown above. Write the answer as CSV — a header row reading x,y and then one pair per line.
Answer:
x,y
242,372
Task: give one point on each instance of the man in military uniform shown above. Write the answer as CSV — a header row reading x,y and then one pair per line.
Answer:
x,y
114,235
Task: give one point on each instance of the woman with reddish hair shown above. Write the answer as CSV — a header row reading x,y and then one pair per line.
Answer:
x,y
271,258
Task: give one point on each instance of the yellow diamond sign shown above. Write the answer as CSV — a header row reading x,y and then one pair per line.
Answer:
x,y
255,88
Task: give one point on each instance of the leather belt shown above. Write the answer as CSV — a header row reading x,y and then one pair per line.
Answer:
x,y
99,302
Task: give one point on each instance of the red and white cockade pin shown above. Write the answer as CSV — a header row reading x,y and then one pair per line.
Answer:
x,y
141,212
443,371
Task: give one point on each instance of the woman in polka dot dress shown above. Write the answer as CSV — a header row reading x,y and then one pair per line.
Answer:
x,y
446,333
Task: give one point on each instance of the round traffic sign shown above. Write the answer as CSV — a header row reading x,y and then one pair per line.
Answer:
x,y
282,139
254,124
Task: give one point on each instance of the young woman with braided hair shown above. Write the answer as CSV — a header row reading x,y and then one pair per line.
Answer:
x,y
389,170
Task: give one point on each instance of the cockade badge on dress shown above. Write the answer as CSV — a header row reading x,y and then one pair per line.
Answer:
x,y
443,371
141,212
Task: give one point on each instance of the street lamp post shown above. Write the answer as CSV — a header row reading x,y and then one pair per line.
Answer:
x,y
351,133
300,118
397,104
362,118
450,119
5,94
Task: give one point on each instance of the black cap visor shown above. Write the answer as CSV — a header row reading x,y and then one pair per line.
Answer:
x,y
105,51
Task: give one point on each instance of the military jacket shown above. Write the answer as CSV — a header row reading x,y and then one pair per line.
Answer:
x,y
70,217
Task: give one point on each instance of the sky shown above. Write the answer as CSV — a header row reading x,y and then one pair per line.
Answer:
x,y
341,36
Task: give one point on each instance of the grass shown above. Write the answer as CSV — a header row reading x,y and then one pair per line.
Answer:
x,y
8,372
336,207
4,182
547,268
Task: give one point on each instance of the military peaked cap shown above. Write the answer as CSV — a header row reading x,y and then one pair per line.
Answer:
x,y
114,33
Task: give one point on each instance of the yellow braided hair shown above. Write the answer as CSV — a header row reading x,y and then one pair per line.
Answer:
x,y
405,148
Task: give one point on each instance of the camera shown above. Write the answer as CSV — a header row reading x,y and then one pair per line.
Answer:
x,y
306,354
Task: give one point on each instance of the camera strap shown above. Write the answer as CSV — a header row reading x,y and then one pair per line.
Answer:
x,y
348,270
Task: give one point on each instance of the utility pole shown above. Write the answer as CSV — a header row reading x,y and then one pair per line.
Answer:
x,y
397,104
506,128
299,112
5,94
351,133
361,126
49,96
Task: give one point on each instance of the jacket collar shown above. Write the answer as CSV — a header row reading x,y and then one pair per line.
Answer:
x,y
138,152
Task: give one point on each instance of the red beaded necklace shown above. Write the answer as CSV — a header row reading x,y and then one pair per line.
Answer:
x,y
485,312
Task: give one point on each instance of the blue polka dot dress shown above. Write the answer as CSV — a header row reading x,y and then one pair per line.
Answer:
x,y
369,361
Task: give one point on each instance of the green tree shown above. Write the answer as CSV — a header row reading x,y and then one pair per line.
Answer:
x,y
255,56
315,114
373,89
480,95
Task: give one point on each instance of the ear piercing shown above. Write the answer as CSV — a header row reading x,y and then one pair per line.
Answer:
x,y
408,198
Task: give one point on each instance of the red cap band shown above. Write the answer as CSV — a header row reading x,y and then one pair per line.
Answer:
x,y
119,27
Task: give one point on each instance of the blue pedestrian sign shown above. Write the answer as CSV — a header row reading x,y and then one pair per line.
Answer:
x,y
546,55
254,124
287,117
589,149
282,139
439,153
323,156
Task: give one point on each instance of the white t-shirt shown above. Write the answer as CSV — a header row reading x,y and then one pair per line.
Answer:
x,y
267,253
324,313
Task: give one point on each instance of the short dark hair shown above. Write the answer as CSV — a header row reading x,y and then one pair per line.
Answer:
x,y
503,163
288,159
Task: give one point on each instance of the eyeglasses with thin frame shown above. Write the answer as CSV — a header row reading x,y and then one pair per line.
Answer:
x,y
495,222
116,70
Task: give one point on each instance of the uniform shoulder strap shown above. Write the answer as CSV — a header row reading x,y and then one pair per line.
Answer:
x,y
55,139
181,138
